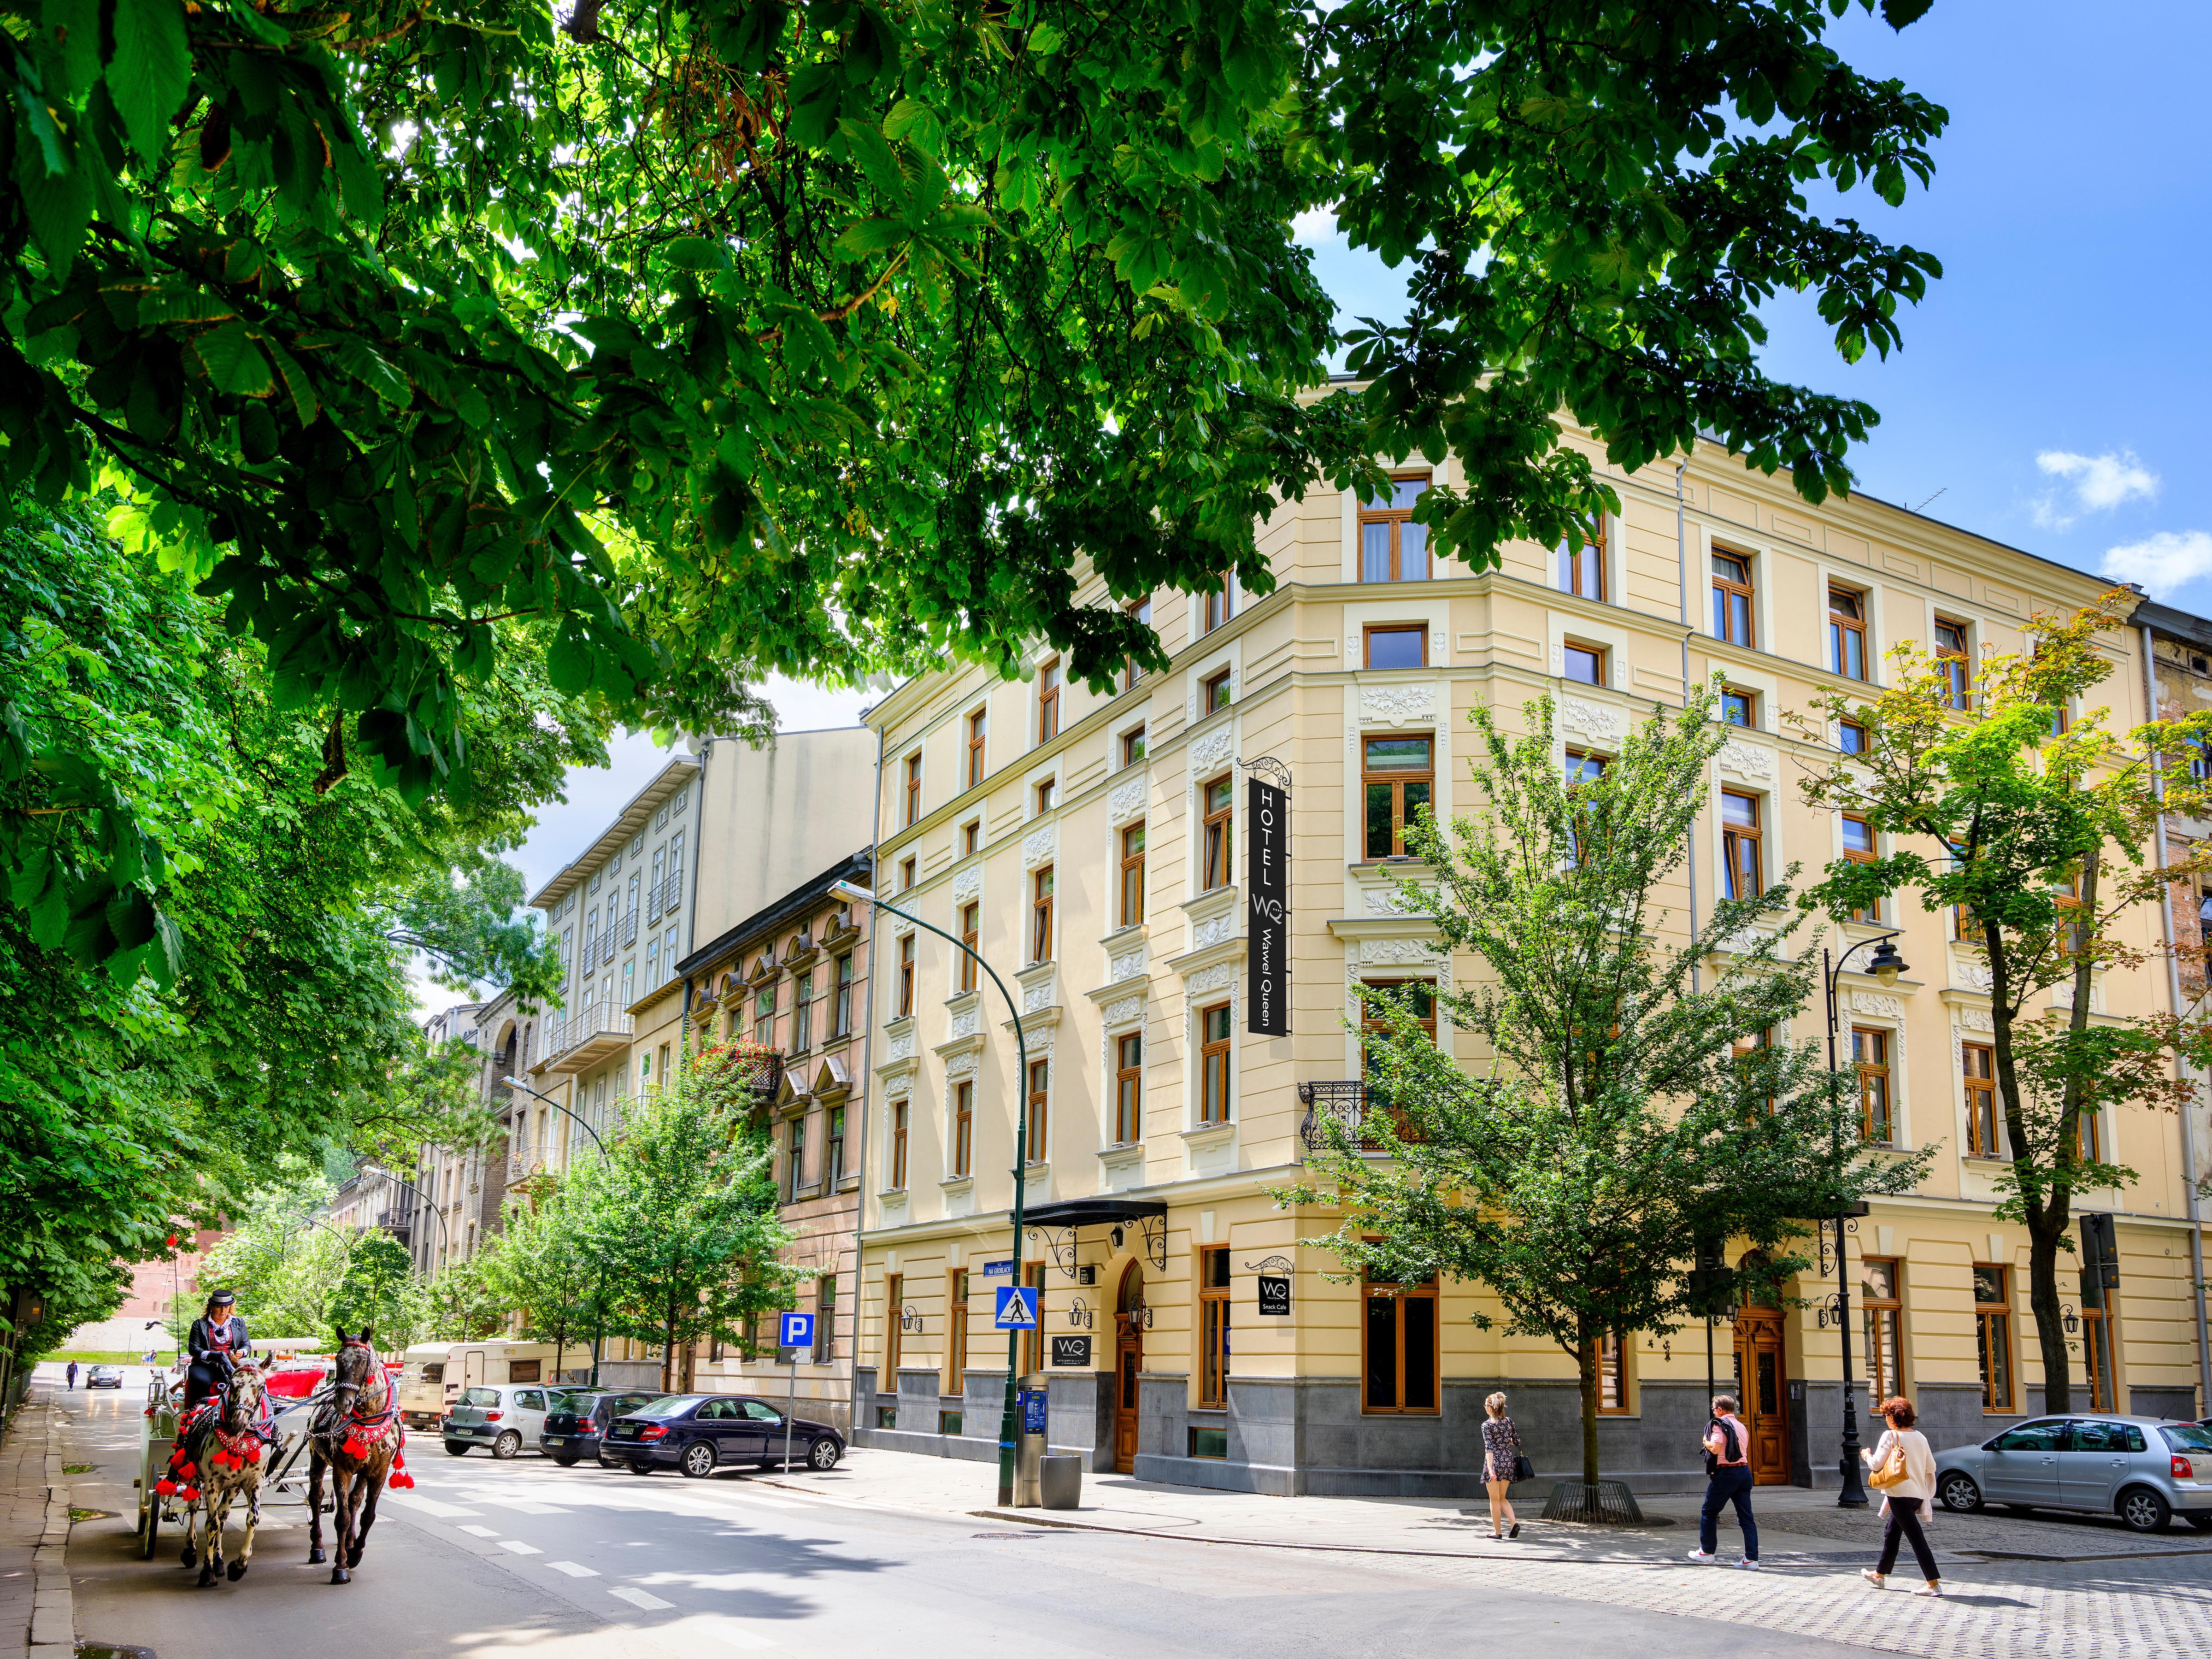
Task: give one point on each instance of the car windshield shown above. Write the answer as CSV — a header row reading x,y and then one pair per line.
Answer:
x,y
669,1405
2187,1437
480,1397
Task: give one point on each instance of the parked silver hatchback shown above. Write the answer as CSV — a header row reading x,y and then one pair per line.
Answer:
x,y
2144,1469
507,1417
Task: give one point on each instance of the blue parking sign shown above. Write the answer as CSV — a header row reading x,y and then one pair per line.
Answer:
x,y
797,1330
1017,1309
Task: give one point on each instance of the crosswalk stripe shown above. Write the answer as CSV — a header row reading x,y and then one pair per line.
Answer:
x,y
573,1569
520,1548
638,1598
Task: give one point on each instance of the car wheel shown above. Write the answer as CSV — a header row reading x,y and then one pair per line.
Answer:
x,y
1958,1491
698,1460
508,1445
2144,1510
822,1456
457,1449
568,1460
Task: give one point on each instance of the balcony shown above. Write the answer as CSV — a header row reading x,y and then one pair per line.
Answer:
x,y
671,894
629,932
1346,1101
593,1035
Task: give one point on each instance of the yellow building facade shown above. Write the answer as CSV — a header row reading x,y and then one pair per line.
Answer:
x,y
1093,849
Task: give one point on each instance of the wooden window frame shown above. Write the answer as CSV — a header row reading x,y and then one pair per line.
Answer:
x,y
1132,746
893,1332
979,733
1846,727
1371,1021
914,789
1588,560
1130,895
1388,512
795,1158
956,1332
1957,664
1871,855
1613,1351
971,837
2089,1138
764,1009
802,1012
1400,1294
1213,1325
1049,700
1141,610
1984,1125
833,1148
1214,692
1032,1359
1750,701
1847,635
1396,782
1039,1104
1601,656
909,867
1419,630
1878,1075
1877,1309
971,930
1215,1102
841,1010
905,978
1993,1335
1044,797
1218,862
964,1129
1128,1089
902,1110
1743,848
1726,589
1040,902
1219,606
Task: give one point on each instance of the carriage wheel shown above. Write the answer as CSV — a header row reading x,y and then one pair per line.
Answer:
x,y
148,1530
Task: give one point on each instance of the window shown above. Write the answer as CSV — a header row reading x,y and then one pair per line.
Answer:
x,y
833,1150
1213,1064
1741,865
1859,848
825,1317
1878,1311
795,1161
1585,663
840,1015
977,725
1041,915
1141,610
1396,774
971,925
1132,746
1128,1089
1046,794
956,1341
971,837
898,1145
905,976
1131,911
1951,661
802,1014
1392,547
764,1016
1582,570
1979,1062
1993,1335
1040,1095
1612,1375
1398,1368
1048,700
907,867
1870,1052
1213,693
1740,708
1847,640
1398,647
1851,737
2086,1147
1220,822
894,1336
1221,606
964,1128
913,790
1582,768
1374,1027
653,961
1213,1325
1732,598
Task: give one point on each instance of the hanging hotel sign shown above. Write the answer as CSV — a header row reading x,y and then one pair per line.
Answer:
x,y
1071,1350
1267,913
1275,1297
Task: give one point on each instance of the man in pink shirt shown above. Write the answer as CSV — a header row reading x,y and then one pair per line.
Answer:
x,y
1728,1471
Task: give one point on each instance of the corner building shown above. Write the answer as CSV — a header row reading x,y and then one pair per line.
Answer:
x,y
1092,848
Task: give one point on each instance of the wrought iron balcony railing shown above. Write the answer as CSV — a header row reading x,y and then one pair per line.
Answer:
x,y
1352,1103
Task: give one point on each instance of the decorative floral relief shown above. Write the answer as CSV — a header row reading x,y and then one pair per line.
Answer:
x,y
901,1046
960,1065
1218,977
1976,1019
967,881
1389,902
1214,931
1397,705
1127,965
964,1024
1037,1039
1746,759
1882,1007
1037,996
1038,845
1397,951
1973,975
1122,1010
1211,749
1592,720
1125,798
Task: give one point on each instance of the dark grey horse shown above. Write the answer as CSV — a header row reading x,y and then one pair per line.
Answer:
x,y
355,1435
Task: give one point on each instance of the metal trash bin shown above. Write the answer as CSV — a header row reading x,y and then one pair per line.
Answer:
x,y
1060,1481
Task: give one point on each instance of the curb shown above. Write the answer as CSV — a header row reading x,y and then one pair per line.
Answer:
x,y
53,1606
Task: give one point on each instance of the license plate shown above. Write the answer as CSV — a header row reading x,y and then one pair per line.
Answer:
x,y
555,1440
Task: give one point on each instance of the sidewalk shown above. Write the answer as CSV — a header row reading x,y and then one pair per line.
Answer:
x,y
34,1523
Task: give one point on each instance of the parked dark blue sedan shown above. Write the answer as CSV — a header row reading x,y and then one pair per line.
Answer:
x,y
699,1433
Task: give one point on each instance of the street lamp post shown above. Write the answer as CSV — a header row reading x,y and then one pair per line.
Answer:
x,y
599,1314
852,892
1887,965
421,1203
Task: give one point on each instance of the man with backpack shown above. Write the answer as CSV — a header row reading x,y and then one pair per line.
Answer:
x,y
1727,1480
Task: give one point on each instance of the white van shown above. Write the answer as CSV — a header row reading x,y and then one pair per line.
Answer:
x,y
422,1394
499,1360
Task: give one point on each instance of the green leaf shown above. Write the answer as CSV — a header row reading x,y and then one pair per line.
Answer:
x,y
873,236
570,663
266,30
73,25
297,386
1044,40
353,354
696,254
875,159
151,72
233,362
58,206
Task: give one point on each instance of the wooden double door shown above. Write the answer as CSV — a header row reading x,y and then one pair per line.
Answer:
x,y
1128,1363
1762,1384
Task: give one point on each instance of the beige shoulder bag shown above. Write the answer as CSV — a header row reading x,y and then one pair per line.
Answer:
x,y
1891,1471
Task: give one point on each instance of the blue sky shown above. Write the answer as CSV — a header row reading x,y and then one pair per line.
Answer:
x,y
2052,386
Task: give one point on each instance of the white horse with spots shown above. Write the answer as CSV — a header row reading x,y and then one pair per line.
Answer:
x,y
230,1465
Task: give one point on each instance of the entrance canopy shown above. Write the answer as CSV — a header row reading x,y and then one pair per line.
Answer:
x,y
1093,1212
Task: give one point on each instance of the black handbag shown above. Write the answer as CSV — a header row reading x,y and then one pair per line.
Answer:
x,y
1522,1468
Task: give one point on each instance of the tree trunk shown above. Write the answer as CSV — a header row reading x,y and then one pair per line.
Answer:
x,y
1586,1363
2043,1300
2044,1210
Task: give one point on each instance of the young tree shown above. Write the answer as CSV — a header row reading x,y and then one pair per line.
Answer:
x,y
682,1220
2032,830
282,1265
379,1290
537,1267
461,1304
1632,1102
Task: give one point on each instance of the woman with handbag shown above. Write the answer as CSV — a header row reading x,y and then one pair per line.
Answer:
x,y
1902,1468
1502,1465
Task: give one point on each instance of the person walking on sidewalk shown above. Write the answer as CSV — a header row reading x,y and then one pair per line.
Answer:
x,y
72,1373
1727,1480
1904,1472
1501,1462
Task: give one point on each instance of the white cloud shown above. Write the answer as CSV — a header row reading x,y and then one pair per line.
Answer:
x,y
1314,226
2162,563
2100,483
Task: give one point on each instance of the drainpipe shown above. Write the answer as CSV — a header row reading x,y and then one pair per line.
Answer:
x,y
867,1110
691,919
2174,988
1682,559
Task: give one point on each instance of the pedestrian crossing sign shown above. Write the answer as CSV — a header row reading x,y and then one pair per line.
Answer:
x,y
1017,1308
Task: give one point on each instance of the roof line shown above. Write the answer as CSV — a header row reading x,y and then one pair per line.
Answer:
x,y
798,898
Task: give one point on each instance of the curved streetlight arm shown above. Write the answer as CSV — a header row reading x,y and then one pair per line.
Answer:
x,y
1835,972
421,1202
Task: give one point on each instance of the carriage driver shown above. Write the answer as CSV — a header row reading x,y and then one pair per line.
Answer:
x,y
217,1338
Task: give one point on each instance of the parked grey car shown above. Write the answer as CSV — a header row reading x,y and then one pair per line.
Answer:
x,y
2144,1469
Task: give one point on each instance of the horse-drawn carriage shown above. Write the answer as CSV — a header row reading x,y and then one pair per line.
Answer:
x,y
285,1481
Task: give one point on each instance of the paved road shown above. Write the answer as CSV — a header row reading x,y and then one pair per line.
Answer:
x,y
496,1558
